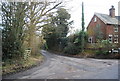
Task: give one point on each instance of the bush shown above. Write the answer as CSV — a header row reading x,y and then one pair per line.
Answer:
x,y
64,42
100,52
71,49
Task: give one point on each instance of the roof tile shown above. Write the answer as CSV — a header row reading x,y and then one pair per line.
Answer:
x,y
107,19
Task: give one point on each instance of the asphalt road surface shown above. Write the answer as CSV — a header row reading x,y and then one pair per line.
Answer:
x,y
61,67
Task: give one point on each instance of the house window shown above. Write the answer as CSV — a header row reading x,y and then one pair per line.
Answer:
x,y
110,38
115,40
90,39
115,35
95,19
116,29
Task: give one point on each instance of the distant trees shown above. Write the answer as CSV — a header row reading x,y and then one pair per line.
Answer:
x,y
56,30
49,33
62,22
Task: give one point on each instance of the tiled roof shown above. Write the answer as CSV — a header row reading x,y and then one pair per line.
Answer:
x,y
108,19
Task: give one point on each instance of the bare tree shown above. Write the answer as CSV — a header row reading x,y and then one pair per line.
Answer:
x,y
37,16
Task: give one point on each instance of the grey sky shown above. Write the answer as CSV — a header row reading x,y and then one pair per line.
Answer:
x,y
90,7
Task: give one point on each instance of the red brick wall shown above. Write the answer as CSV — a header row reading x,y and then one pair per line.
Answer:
x,y
92,25
119,35
109,30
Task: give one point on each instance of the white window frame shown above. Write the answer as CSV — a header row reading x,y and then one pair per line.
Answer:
x,y
115,29
115,35
90,39
115,40
110,38
95,19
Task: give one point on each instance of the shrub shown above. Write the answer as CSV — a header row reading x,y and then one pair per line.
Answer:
x,y
71,49
64,42
100,52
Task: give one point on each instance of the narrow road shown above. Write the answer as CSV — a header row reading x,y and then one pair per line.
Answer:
x,y
61,67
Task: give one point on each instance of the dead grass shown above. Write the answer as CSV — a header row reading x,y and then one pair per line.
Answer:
x,y
19,65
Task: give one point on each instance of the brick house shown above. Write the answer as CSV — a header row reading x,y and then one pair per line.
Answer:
x,y
104,27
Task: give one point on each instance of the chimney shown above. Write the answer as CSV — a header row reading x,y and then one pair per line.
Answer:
x,y
112,12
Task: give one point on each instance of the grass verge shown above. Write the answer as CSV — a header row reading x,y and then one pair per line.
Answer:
x,y
15,65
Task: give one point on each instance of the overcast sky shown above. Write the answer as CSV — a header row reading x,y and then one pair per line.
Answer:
x,y
90,7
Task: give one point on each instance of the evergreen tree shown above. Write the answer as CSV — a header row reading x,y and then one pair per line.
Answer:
x,y
82,37
57,29
62,22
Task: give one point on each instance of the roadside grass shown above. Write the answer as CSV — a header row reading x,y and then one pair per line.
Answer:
x,y
16,65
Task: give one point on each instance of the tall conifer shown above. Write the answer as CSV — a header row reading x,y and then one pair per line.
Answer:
x,y
83,28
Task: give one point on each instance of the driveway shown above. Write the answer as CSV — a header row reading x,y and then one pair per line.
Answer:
x,y
61,67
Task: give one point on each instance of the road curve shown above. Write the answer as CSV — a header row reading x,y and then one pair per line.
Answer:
x,y
61,67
